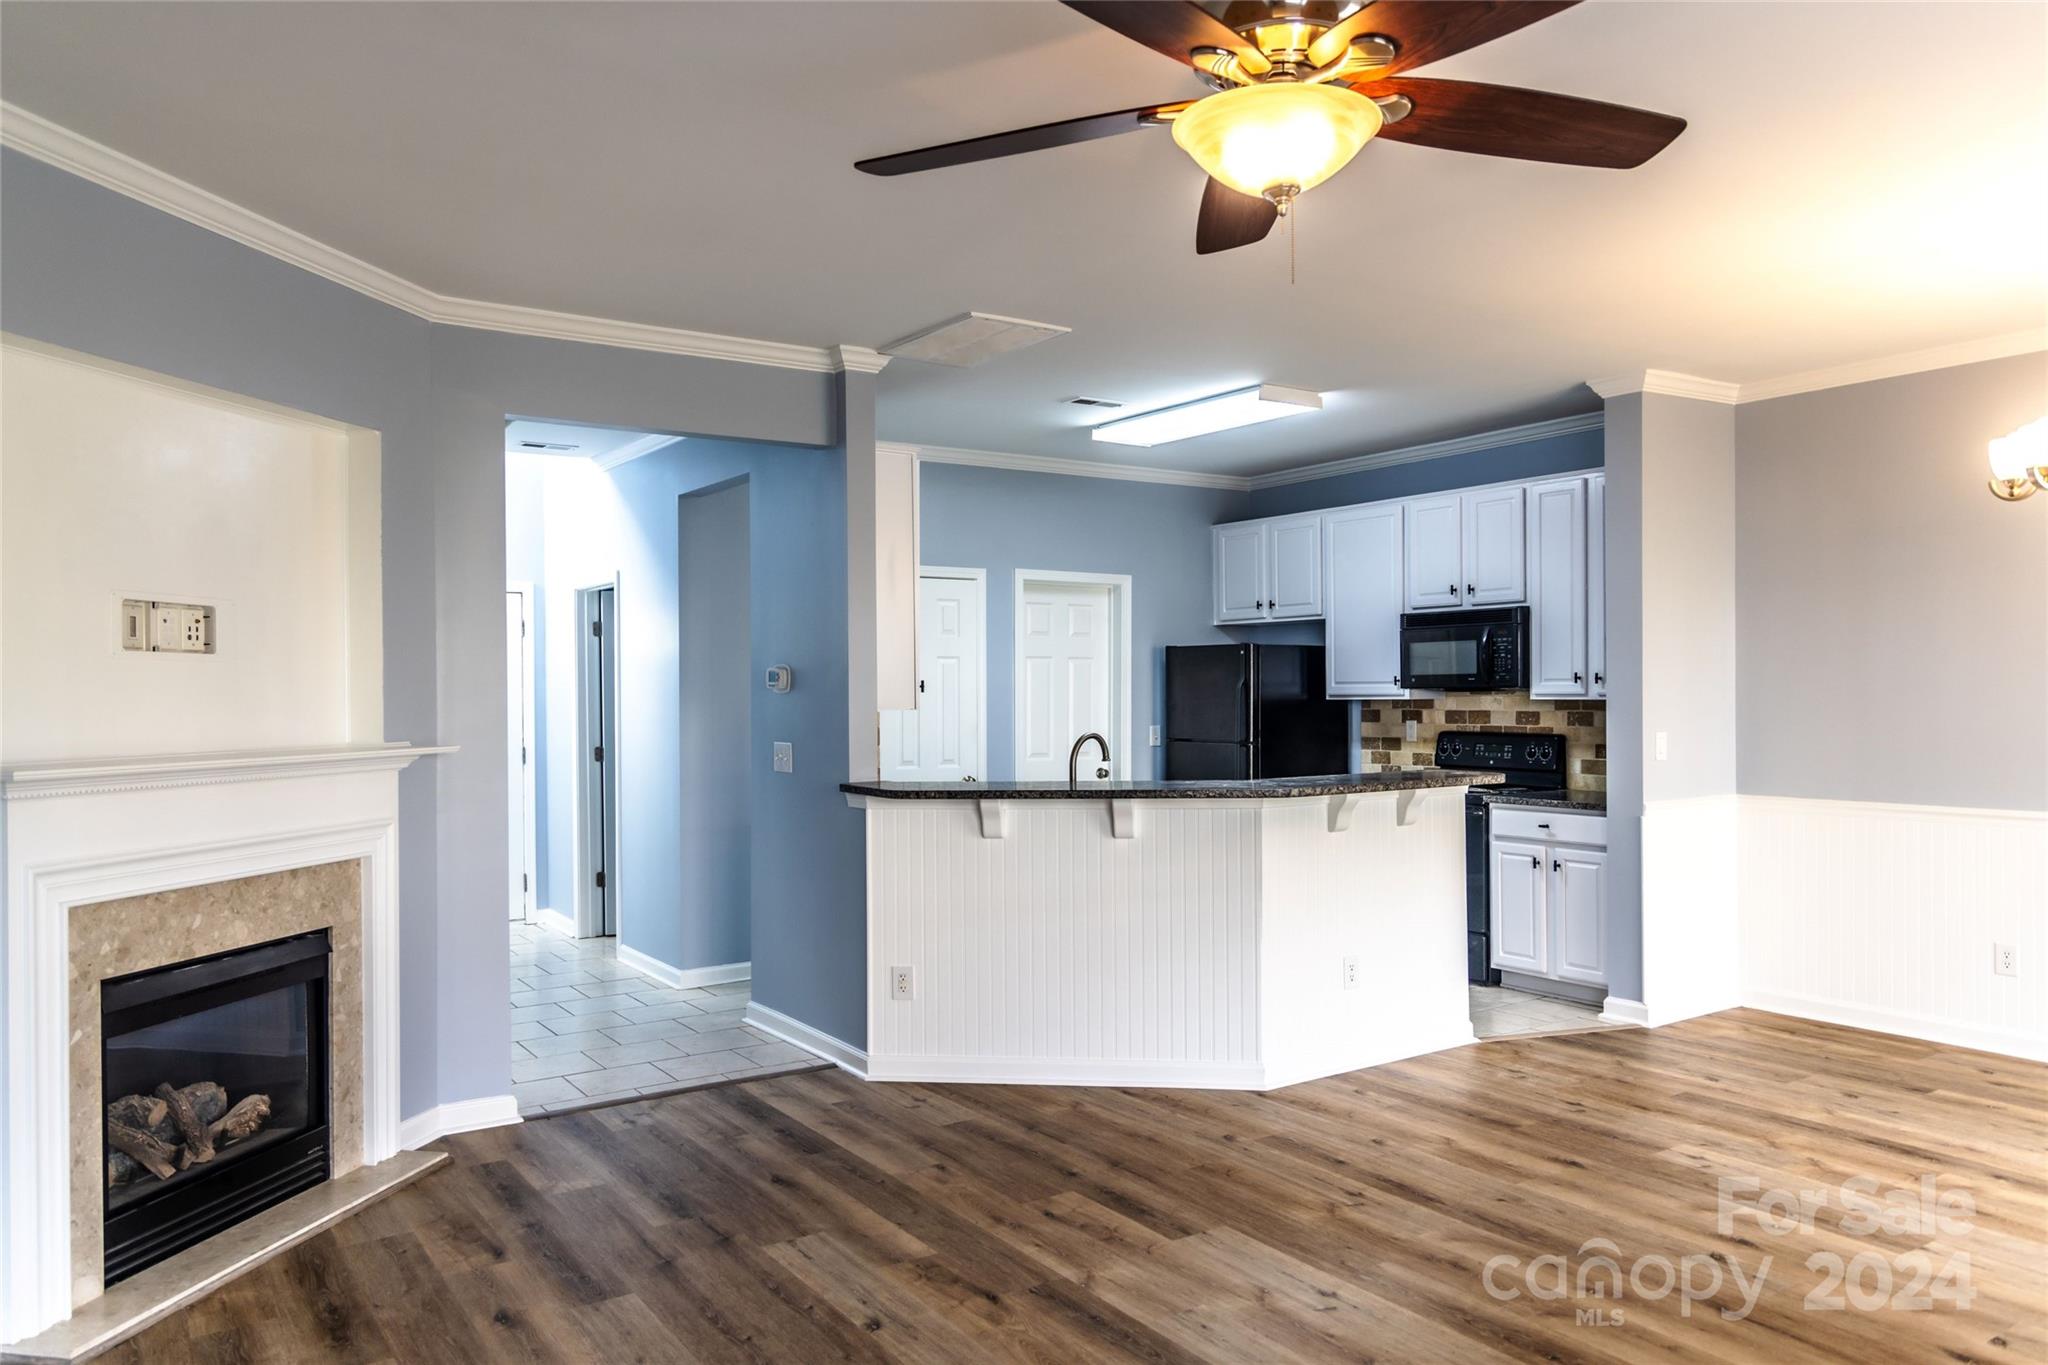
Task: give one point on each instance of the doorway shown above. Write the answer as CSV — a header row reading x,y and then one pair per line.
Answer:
x,y
946,738
1073,650
520,750
597,889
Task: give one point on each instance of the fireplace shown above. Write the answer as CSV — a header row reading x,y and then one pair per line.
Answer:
x,y
214,1077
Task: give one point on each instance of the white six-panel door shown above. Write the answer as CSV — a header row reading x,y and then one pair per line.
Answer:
x,y
942,740
1064,675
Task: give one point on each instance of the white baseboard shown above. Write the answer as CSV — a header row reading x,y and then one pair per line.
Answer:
x,y
1619,1011
1169,1075
463,1116
799,1034
2008,1042
683,978
555,922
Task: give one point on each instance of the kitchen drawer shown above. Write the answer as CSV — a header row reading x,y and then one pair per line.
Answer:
x,y
1550,826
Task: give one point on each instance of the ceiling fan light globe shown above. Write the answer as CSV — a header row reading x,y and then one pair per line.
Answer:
x,y
1259,137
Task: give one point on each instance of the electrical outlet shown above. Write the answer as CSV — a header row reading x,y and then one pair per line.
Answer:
x,y
1663,745
902,984
1409,731
2005,959
1154,736
165,627
1350,973
785,756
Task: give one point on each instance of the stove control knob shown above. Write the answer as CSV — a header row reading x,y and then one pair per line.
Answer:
x,y
1530,753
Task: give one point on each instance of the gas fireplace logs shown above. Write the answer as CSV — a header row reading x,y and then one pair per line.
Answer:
x,y
175,1128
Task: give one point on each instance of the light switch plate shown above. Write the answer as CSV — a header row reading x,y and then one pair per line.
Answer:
x,y
1663,745
1154,733
785,756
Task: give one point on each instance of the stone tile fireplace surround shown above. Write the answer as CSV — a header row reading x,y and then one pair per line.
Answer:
x,y
117,866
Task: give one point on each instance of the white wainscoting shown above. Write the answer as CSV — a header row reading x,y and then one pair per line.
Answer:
x,y
1691,960
1883,917
1206,948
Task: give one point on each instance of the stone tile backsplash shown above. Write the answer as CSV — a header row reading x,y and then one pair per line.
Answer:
x,y
1583,724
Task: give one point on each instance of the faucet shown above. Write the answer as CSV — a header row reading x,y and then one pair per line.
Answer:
x,y
1074,760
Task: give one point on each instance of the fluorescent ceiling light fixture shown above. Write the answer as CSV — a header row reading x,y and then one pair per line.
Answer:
x,y
1239,408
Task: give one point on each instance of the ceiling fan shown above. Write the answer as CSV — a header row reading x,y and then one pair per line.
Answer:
x,y
1301,87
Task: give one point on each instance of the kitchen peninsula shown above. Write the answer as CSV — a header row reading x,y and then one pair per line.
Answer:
x,y
1222,935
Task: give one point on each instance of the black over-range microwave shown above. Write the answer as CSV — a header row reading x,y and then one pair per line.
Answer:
x,y
1466,651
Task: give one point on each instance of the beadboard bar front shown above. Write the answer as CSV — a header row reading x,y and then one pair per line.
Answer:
x,y
1205,948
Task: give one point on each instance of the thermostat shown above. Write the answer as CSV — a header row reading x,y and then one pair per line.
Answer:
x,y
779,677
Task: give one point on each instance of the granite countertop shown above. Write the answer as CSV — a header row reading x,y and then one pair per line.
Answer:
x,y
1364,784
1593,803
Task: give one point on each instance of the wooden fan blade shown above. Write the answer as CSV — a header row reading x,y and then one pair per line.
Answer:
x,y
1431,30
1229,219
1529,125
1172,28
993,145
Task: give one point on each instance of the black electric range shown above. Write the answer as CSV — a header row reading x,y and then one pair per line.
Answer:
x,y
1531,764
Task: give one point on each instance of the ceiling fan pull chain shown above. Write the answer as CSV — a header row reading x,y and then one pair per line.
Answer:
x,y
1291,229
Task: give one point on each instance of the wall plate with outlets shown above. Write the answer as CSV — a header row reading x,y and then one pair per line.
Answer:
x,y
164,627
785,756
2005,959
1350,973
902,984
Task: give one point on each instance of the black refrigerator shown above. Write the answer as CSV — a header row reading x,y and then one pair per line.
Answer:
x,y
1248,711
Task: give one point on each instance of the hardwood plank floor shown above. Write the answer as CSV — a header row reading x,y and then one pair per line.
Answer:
x,y
813,1218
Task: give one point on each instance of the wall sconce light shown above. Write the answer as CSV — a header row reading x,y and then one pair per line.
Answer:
x,y
2019,461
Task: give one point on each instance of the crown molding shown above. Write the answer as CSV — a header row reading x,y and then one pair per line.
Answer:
x,y
1434,450
1670,383
633,450
898,448
53,144
1891,367
858,359
1085,469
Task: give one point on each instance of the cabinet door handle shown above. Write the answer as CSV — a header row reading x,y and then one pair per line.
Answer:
x,y
1578,677
1599,680
1470,590
1454,590
1536,863
1556,866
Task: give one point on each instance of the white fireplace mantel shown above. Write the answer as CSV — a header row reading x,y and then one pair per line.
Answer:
x,y
77,833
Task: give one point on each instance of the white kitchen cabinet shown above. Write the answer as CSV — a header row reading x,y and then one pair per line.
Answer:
x,y
1294,568
1519,883
1547,887
1240,554
1491,523
1269,570
1596,585
1362,600
1557,588
1465,549
1436,566
1577,900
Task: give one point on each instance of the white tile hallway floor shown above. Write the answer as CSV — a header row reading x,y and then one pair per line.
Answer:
x,y
588,1030
1498,1012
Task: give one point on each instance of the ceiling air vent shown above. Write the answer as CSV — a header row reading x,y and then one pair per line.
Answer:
x,y
971,339
1083,401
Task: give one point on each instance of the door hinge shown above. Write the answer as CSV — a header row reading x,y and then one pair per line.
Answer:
x,y
597,754
600,879
596,628
522,755
523,883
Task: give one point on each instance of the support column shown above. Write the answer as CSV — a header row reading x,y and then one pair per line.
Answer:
x,y
881,566
1671,822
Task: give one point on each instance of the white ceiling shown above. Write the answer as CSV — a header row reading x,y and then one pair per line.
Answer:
x,y
1858,180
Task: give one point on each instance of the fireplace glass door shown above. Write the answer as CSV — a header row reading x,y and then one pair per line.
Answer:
x,y
214,1077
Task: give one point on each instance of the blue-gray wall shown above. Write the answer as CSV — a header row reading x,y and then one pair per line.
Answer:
x,y
1003,520
1535,459
95,271
715,666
